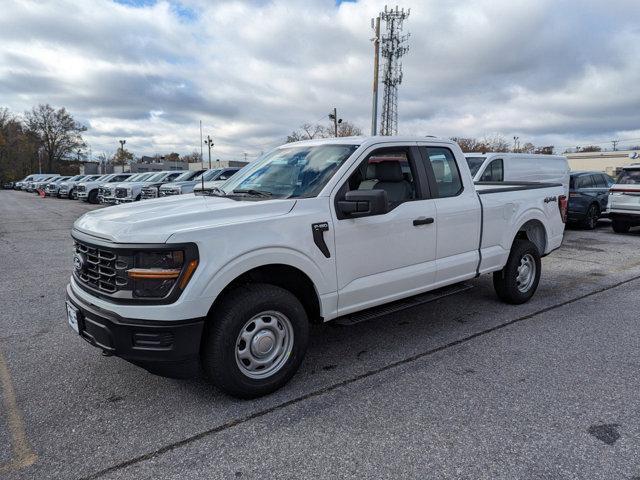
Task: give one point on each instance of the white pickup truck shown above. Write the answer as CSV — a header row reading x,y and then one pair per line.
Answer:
x,y
313,231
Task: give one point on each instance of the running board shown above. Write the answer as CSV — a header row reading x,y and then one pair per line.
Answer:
x,y
400,305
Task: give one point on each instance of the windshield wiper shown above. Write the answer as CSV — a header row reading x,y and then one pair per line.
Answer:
x,y
252,192
214,191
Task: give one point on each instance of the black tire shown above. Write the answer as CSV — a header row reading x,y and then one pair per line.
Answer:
x,y
591,220
93,196
619,226
505,282
231,317
72,194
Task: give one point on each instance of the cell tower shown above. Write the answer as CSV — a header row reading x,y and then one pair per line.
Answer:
x,y
394,46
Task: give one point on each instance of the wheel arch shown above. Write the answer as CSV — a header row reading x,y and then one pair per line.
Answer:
x,y
281,275
534,231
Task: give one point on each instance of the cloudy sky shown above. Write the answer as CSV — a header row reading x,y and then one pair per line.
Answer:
x,y
555,72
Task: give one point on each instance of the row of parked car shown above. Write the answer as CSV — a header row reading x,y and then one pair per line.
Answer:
x,y
592,194
116,188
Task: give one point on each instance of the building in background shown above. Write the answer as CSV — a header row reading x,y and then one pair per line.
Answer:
x,y
218,164
609,162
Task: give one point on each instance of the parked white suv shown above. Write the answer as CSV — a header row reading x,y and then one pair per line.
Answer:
x,y
311,232
108,191
624,200
213,179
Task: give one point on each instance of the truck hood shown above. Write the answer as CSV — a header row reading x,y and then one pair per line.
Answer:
x,y
154,221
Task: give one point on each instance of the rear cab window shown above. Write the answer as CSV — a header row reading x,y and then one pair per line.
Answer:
x,y
443,171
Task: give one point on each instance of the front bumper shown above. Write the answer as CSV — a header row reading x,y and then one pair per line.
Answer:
x,y
109,200
82,196
168,348
124,200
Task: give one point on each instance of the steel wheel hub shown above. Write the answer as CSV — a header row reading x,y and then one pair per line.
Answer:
x,y
264,344
526,273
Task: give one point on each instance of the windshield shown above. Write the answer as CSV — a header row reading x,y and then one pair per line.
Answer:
x,y
290,172
156,177
208,175
183,177
474,164
629,177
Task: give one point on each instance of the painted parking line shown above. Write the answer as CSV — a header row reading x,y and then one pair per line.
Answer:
x,y
22,454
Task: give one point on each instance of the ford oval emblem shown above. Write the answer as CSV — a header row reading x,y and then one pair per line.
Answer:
x,y
78,262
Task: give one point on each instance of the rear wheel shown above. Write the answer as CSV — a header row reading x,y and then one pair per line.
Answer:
x,y
518,280
619,226
93,196
255,341
72,194
593,214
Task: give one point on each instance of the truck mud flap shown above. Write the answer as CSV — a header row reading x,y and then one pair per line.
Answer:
x,y
403,304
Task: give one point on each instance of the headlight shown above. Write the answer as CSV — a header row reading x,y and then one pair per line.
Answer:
x,y
155,273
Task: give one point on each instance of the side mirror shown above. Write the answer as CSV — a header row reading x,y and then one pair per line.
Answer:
x,y
364,203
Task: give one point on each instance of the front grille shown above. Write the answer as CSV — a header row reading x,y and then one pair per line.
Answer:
x,y
106,192
149,192
82,188
121,193
166,193
100,268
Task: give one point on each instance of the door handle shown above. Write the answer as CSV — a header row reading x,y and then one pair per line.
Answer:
x,y
423,221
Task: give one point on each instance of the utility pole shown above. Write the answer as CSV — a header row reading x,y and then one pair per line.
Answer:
x,y
201,153
122,142
245,157
209,143
334,116
393,49
615,144
375,25
40,160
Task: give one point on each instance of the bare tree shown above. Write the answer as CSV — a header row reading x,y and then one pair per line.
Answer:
x,y
193,157
590,148
59,133
468,144
548,150
527,148
308,131
122,157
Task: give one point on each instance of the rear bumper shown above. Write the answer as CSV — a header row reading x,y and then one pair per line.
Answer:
x,y
163,347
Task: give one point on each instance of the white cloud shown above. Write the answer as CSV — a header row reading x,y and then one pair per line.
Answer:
x,y
552,72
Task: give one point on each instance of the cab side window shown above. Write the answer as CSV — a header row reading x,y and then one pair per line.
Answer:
x,y
494,172
445,171
387,170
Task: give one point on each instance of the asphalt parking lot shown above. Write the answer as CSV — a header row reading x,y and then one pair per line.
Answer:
x,y
465,387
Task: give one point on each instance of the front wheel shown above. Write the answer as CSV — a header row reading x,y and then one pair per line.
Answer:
x,y
255,341
518,280
93,196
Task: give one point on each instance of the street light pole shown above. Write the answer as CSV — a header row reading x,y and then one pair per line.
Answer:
x,y
209,143
122,142
334,116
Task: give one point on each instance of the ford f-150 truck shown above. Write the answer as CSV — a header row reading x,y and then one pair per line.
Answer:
x,y
313,231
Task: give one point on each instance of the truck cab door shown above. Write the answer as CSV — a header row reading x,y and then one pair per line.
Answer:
x,y
388,256
458,210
